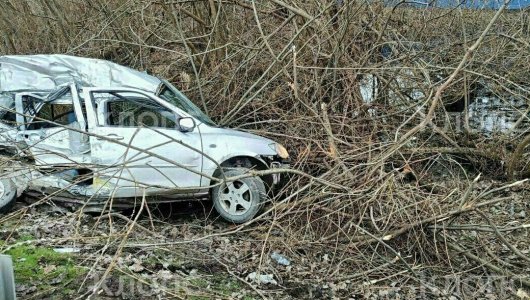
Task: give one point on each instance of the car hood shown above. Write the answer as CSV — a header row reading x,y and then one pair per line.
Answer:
x,y
236,137
205,129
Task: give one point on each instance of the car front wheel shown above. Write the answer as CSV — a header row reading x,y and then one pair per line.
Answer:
x,y
240,200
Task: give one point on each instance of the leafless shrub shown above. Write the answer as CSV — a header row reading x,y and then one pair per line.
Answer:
x,y
363,95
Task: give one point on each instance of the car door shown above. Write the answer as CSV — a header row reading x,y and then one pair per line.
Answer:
x,y
135,143
52,126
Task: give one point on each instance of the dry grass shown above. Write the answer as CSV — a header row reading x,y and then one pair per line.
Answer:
x,y
403,206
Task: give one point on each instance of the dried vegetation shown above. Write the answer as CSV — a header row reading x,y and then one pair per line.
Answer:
x,y
364,96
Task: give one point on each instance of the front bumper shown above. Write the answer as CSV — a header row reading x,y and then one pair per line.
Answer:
x,y
277,178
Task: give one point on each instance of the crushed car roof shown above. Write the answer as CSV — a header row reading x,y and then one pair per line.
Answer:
x,y
47,72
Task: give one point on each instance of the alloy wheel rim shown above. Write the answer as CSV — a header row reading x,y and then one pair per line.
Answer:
x,y
235,198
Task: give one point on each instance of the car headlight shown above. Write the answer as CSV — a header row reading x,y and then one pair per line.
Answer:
x,y
280,150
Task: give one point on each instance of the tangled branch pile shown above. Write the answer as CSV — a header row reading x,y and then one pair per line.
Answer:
x,y
375,101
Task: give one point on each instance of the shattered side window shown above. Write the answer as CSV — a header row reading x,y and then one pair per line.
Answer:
x,y
8,117
132,114
62,114
7,110
131,110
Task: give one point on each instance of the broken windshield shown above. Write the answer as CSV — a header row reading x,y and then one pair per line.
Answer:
x,y
172,95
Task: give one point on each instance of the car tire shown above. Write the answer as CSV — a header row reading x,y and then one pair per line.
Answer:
x,y
239,201
8,195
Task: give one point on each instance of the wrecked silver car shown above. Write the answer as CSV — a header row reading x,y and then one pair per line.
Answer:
x,y
86,130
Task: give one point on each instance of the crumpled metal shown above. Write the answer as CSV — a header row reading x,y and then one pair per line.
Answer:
x,y
47,72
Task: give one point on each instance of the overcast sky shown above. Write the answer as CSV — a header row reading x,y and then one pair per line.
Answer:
x,y
490,4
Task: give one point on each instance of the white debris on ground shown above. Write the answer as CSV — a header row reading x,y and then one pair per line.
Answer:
x,y
67,250
261,278
280,259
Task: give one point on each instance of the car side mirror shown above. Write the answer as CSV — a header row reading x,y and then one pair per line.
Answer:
x,y
186,124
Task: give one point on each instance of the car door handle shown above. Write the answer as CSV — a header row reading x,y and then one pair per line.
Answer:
x,y
112,136
32,136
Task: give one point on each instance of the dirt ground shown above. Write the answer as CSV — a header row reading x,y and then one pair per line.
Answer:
x,y
183,251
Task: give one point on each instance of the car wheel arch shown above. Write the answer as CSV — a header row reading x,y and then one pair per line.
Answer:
x,y
244,161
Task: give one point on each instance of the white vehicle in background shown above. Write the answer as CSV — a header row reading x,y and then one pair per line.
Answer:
x,y
87,130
